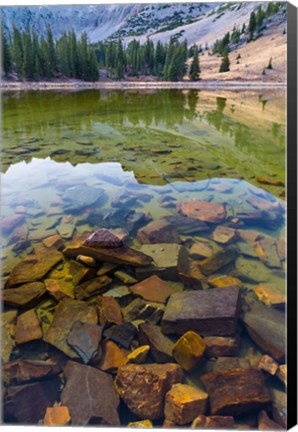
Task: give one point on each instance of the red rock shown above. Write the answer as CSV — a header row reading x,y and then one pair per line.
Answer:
x,y
90,396
8,223
34,267
25,295
27,404
183,403
217,346
265,423
224,235
158,231
213,422
59,289
161,347
109,311
236,391
57,416
28,327
203,210
84,338
112,357
66,314
143,388
153,289
21,371
268,364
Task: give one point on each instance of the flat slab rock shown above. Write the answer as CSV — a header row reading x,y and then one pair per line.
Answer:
x,y
158,231
34,267
90,396
101,250
153,289
203,210
161,346
267,328
24,295
236,391
67,313
22,371
84,338
209,313
143,387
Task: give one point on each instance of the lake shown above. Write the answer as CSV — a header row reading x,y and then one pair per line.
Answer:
x,y
140,163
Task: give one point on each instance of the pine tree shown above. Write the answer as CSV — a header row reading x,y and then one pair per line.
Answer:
x,y
119,60
159,59
50,55
28,59
252,24
195,70
6,52
225,63
17,52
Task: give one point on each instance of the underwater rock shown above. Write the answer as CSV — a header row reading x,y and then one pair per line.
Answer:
x,y
266,249
86,404
213,422
203,210
112,254
28,327
84,339
224,235
188,350
260,218
79,197
125,277
57,416
133,309
282,374
59,289
161,346
27,403
251,270
139,355
210,313
66,314
112,357
143,387
8,223
268,364
88,261
224,363
92,287
265,423
24,295
53,241
217,346
200,250
186,225
271,295
152,312
266,327
153,289
224,281
241,390
218,260
269,181
20,233
192,276
141,424
8,320
158,231
103,239
34,267
168,259
123,334
109,311
184,403
22,371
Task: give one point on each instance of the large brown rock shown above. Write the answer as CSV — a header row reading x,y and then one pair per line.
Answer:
x,y
267,327
158,231
265,423
236,391
271,295
161,346
84,338
22,371
109,311
267,250
217,346
25,295
183,403
218,260
104,248
92,287
112,357
210,313
35,266
67,313
28,327
224,234
143,388
27,404
203,210
153,289
90,396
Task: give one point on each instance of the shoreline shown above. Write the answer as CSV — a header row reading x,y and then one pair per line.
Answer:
x,y
154,85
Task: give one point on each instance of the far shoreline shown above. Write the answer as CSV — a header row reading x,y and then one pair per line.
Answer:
x,y
141,85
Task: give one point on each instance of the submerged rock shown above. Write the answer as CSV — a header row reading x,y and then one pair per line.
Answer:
x,y
24,295
265,423
34,267
183,403
143,388
203,210
224,281
200,250
112,357
188,350
251,270
271,295
92,287
98,251
187,225
139,355
158,231
79,197
213,422
153,289
266,250
28,327
90,396
224,235
210,313
22,371
109,311
241,390
267,364
123,334
27,404
141,424
218,260
84,338
161,346
57,416
217,346
8,223
8,319
67,313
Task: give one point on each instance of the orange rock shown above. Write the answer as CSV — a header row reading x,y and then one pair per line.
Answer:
x,y
28,327
153,289
270,295
59,289
269,181
265,423
57,416
109,311
224,281
282,373
224,235
203,210
188,350
53,241
113,357
184,403
268,364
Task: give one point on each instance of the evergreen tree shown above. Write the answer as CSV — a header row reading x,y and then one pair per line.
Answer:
x,y
252,24
6,53
159,58
17,52
119,60
195,70
50,55
28,58
225,63
260,16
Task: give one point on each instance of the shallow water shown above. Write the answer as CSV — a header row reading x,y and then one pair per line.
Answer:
x,y
76,162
